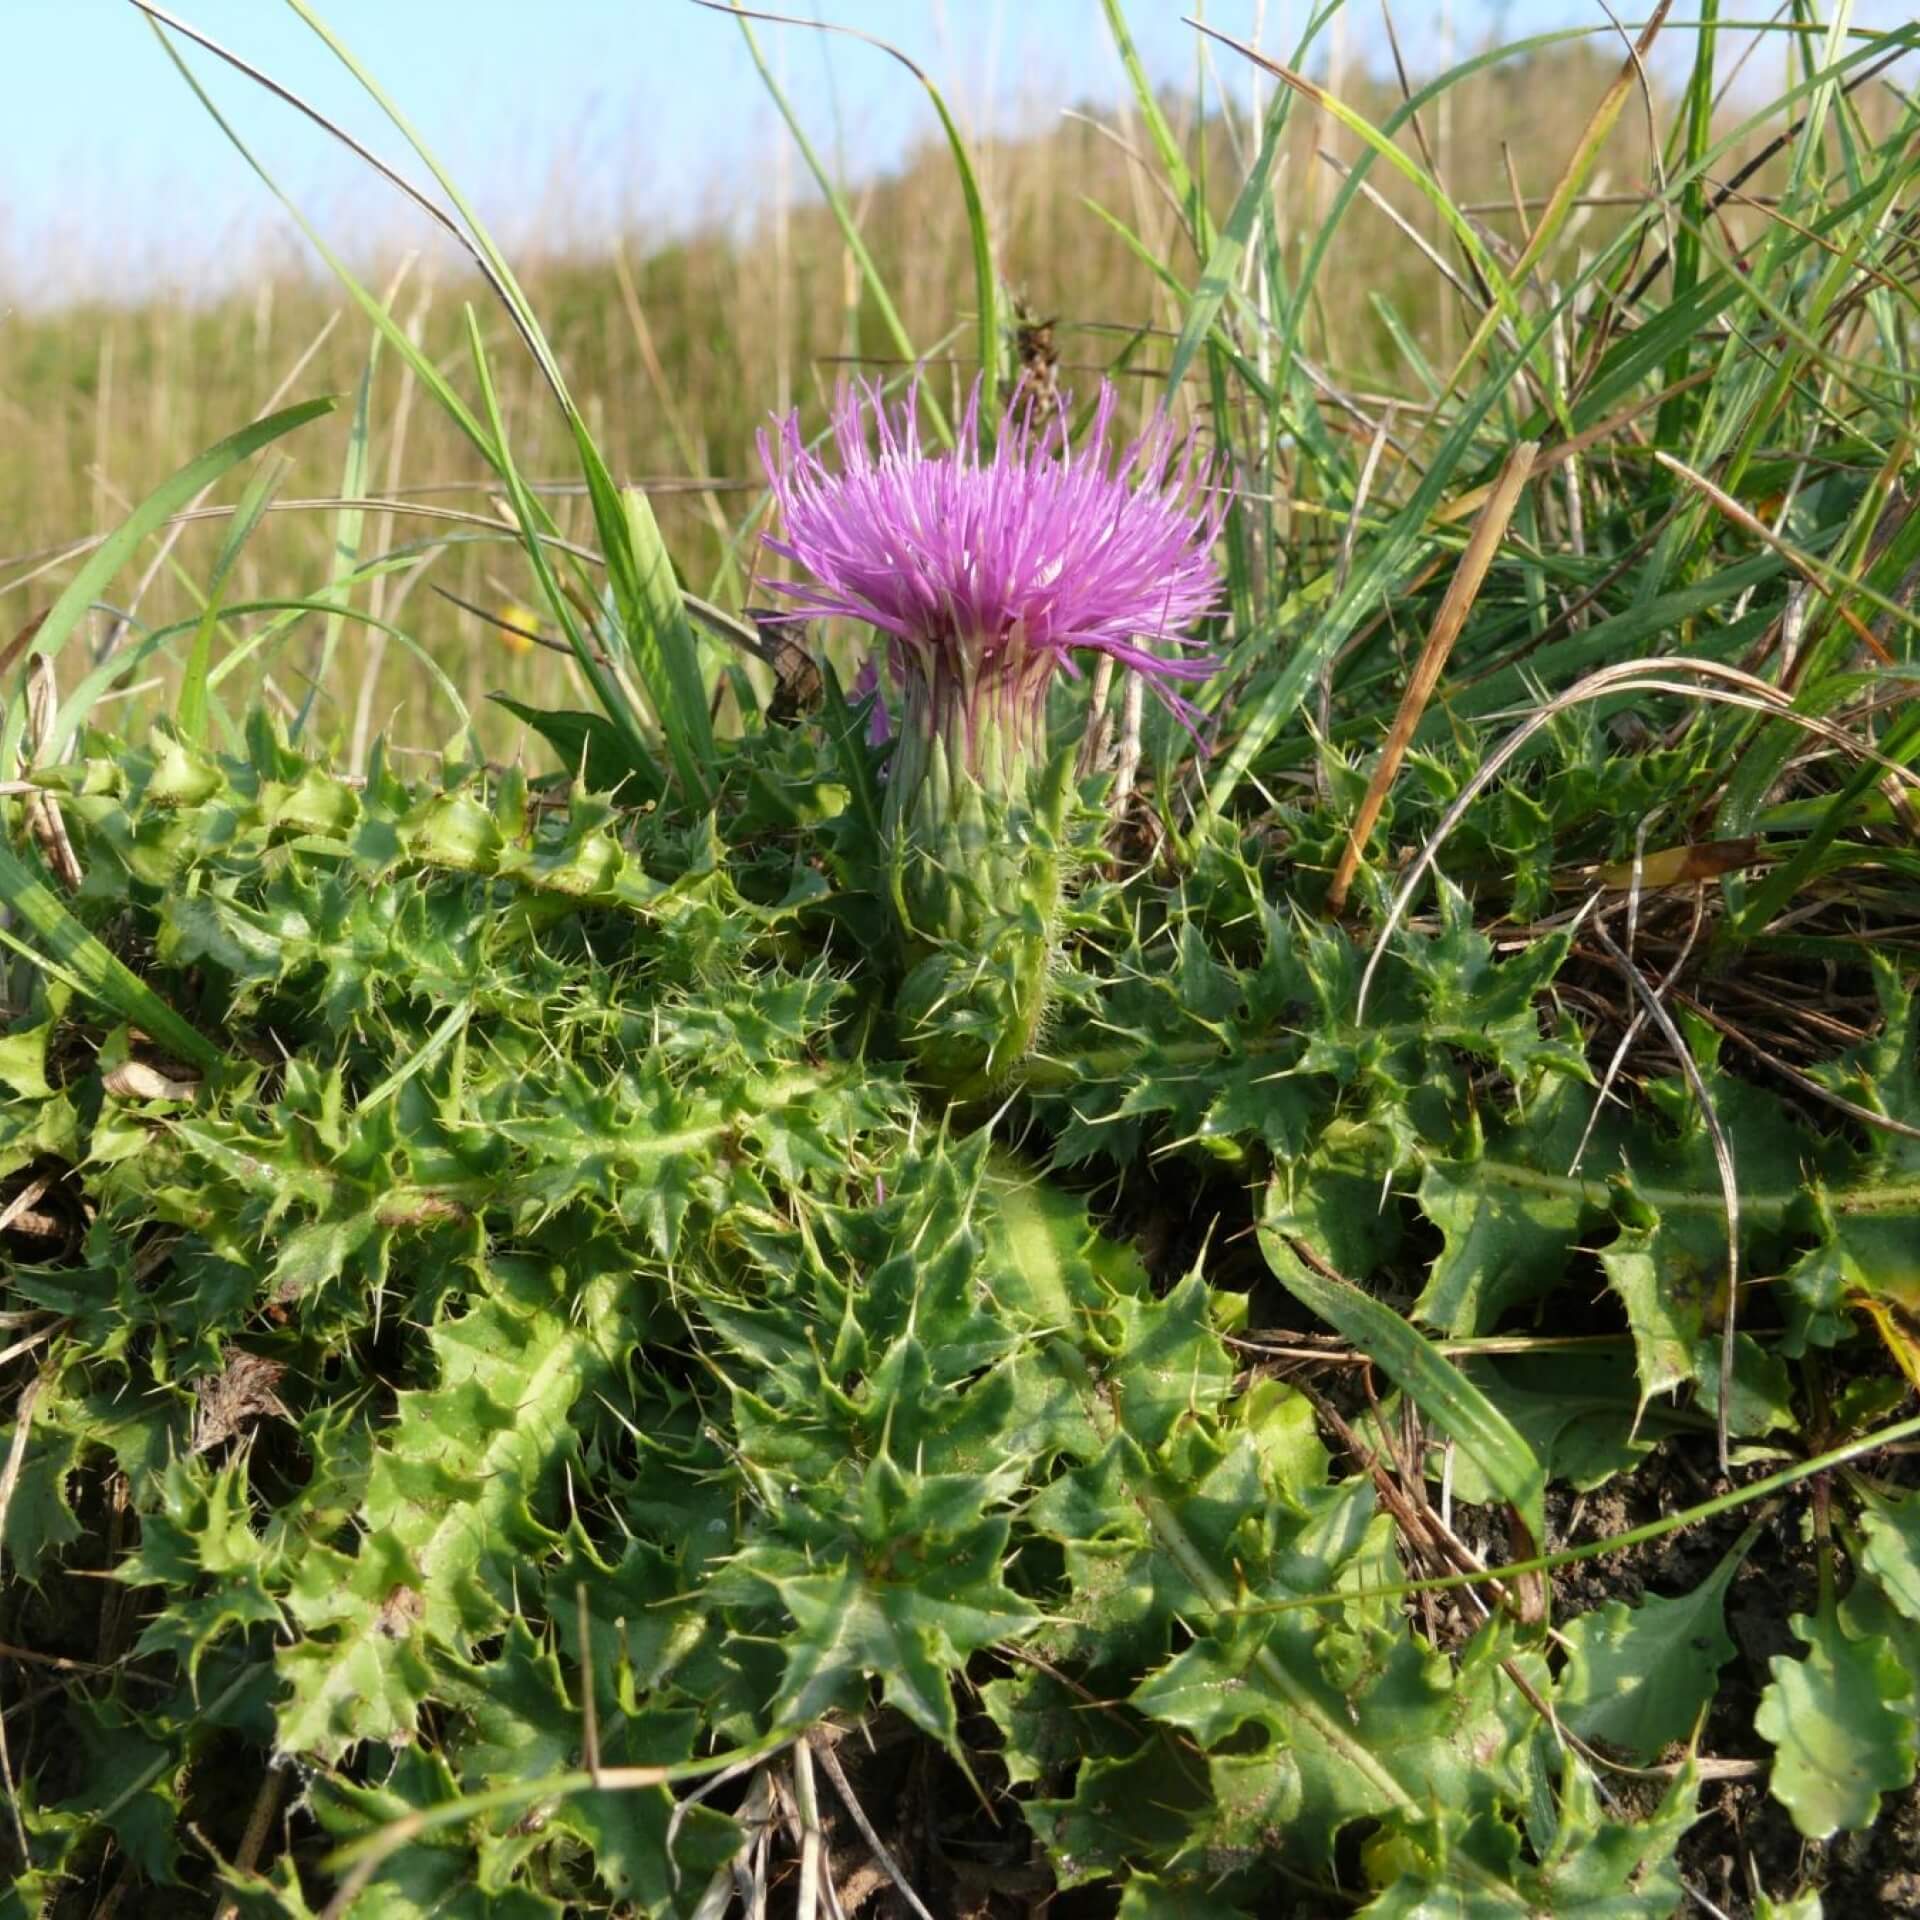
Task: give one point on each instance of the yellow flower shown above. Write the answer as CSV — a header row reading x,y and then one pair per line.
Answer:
x,y
512,615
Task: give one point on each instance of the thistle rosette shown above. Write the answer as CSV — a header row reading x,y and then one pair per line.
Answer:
x,y
985,577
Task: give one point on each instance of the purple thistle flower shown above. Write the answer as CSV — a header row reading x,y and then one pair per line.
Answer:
x,y
988,575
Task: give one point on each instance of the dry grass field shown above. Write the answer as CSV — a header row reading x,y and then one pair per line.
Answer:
x,y
678,355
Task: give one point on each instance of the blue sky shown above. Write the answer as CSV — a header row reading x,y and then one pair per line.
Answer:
x,y
556,115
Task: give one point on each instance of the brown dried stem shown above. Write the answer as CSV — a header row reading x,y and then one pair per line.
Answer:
x,y
1462,591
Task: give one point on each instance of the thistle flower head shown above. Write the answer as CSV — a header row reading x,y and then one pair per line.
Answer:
x,y
988,574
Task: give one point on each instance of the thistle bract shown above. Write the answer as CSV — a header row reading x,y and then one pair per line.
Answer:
x,y
986,576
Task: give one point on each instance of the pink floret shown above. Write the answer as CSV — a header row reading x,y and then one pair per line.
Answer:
x,y
1010,563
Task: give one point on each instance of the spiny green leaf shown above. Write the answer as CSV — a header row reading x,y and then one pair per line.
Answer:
x,y
1802,1906
925,1593
1048,1728
1865,1257
200,1546
446,1873
1121,1813
591,748
40,1516
1503,1242
1578,1410
360,1670
1590,1866
132,1781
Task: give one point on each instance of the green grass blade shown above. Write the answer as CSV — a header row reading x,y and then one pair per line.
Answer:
x,y
1241,365
167,499
482,242
853,758
599,673
113,553
1421,1371
1561,202
1381,143
683,720
986,282
1223,261
348,526
1773,893
1173,162
1371,576
664,646
96,972
850,228
286,613
836,201
1693,208
428,374
192,713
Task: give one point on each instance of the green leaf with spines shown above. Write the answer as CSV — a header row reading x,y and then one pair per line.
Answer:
x,y
40,1519
1048,1728
825,1386
447,1871
199,1543
133,1781
359,1670
1371,1726
1504,1241
1579,1410
1122,1813
924,1594
1802,1906
1864,1257
515,1721
1587,1865
1149,1898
